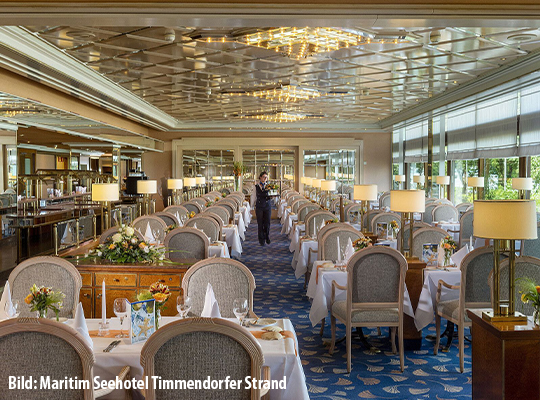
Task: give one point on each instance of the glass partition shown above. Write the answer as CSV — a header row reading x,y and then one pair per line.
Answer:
x,y
338,165
279,164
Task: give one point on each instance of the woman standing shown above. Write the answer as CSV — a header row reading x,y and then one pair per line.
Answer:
x,y
263,209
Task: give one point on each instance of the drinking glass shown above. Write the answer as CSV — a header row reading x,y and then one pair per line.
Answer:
x,y
121,311
12,312
240,309
183,305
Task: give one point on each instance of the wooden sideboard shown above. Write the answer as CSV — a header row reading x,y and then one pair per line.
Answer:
x,y
126,280
414,281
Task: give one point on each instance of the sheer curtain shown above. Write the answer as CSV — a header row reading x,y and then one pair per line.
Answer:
x,y
460,131
529,122
414,142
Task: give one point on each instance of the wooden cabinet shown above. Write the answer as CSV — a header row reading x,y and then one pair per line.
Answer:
x,y
126,281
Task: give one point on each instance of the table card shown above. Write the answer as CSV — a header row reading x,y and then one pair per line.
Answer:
x,y
142,320
382,230
429,253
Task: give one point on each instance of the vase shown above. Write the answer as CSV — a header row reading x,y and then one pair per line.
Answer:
x,y
158,318
41,313
536,316
446,261
236,183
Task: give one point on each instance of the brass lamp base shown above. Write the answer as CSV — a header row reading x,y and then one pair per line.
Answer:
x,y
517,317
412,258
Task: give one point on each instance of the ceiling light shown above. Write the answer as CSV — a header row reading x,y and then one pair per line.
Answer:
x,y
521,37
169,35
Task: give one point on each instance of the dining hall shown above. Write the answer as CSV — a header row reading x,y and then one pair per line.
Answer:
x,y
277,200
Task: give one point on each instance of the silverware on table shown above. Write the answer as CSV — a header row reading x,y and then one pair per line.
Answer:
x,y
111,346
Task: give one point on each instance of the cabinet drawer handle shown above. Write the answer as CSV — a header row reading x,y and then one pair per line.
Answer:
x,y
99,296
125,278
116,280
87,295
162,281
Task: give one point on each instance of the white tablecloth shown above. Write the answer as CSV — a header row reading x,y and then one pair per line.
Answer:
x,y
246,212
449,226
279,355
300,258
425,311
321,292
233,239
239,221
295,236
219,250
387,242
281,208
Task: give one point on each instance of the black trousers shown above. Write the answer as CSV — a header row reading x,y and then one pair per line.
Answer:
x,y
263,222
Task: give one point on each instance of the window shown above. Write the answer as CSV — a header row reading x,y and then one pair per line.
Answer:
x,y
497,178
279,164
338,165
214,165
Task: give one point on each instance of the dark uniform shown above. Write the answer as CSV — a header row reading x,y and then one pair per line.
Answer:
x,y
263,210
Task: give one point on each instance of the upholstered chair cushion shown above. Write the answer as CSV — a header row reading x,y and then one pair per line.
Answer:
x,y
186,243
339,308
206,224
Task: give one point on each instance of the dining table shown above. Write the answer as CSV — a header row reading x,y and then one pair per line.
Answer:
x,y
232,237
451,227
239,221
219,249
282,356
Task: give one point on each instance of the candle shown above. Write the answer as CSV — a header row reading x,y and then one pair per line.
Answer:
x,y
470,244
338,251
103,304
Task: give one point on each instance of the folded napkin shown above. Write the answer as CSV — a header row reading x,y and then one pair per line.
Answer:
x,y
148,235
195,225
458,256
325,267
211,308
177,215
349,250
283,335
79,324
6,306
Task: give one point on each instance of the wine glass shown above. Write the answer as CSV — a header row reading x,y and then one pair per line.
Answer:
x,y
240,309
183,305
12,312
121,311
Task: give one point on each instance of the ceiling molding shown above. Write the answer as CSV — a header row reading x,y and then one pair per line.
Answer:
x,y
523,66
43,53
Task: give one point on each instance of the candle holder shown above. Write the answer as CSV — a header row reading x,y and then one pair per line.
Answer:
x,y
103,329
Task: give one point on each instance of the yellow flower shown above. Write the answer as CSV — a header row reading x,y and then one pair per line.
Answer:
x,y
142,245
112,246
29,298
538,289
160,297
523,299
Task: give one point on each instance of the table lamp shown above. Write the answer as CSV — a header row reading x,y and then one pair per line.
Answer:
x,y
189,183
419,180
364,193
308,182
147,188
521,185
176,185
328,186
443,182
504,221
399,179
407,202
316,183
105,193
200,181
475,182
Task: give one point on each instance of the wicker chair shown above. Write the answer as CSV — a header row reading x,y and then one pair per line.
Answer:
x,y
368,217
111,231
181,211
317,216
296,205
53,272
187,243
375,290
292,199
426,235
168,218
157,226
226,191
328,240
230,280
200,201
207,224
222,212
193,206
229,208
384,217
417,225
427,217
234,203
466,229
445,212
352,212
384,200
304,209
532,247
197,348
462,207
239,194
236,198
474,292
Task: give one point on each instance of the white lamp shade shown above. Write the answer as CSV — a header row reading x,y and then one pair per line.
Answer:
x,y
505,219
303,180
365,192
328,185
216,178
105,192
419,179
288,177
201,180
522,183
309,181
399,178
175,183
147,187
475,181
189,182
443,180
407,201
316,183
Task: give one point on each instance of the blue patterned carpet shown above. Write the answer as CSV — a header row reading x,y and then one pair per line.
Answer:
x,y
374,376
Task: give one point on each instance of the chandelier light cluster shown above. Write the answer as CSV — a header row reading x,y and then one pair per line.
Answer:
x,y
278,116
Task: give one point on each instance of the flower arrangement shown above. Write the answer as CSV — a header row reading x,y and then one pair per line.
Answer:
x,y
272,186
41,299
160,293
448,245
170,228
209,204
126,247
224,194
394,225
332,221
217,199
191,214
530,292
238,168
361,243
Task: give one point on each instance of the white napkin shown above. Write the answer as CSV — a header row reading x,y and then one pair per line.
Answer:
x,y
177,215
195,225
349,250
148,235
322,225
6,304
459,255
79,324
211,308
